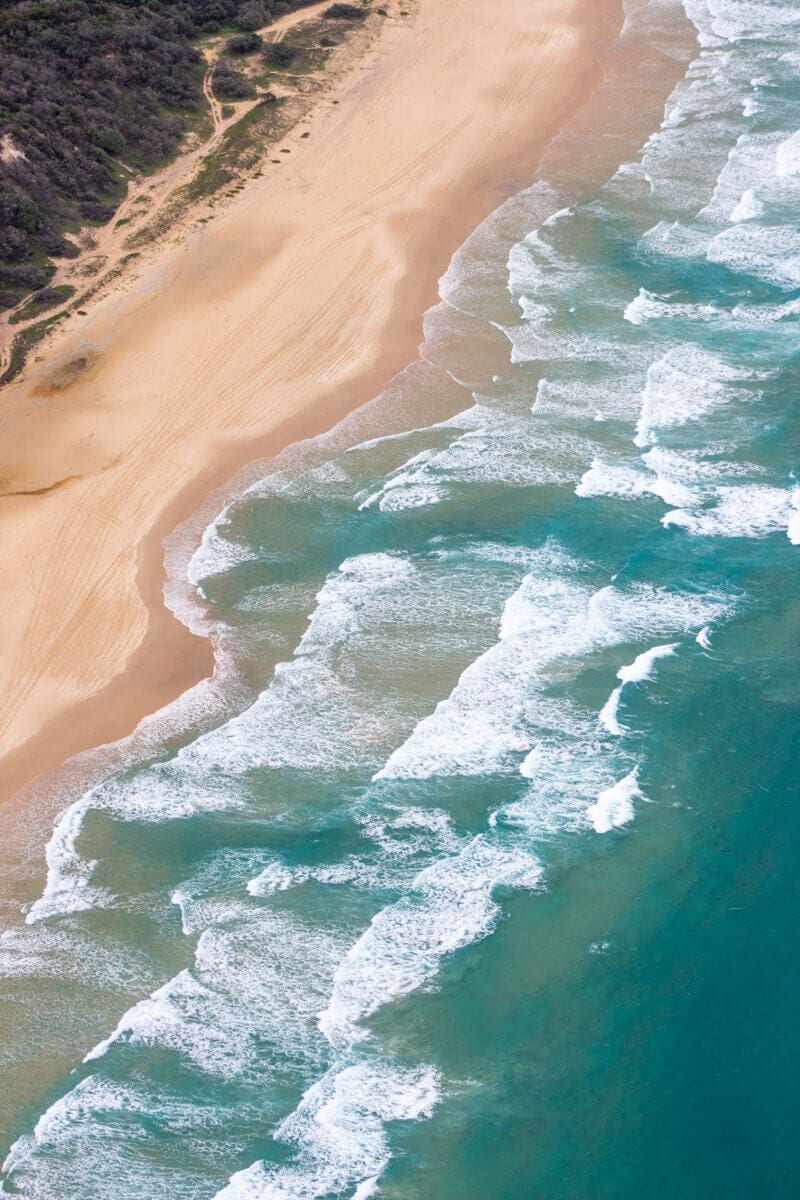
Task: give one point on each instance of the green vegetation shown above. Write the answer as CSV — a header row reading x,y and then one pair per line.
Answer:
x,y
230,84
280,54
23,342
114,273
41,301
244,43
305,49
346,12
240,149
91,91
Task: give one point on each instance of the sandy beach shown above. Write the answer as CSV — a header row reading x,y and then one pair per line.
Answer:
x,y
293,307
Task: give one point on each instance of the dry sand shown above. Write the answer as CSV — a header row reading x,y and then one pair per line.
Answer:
x,y
294,306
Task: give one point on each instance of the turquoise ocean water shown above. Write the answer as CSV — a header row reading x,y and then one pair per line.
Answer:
x,y
473,874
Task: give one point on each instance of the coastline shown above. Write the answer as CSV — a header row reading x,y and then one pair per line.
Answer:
x,y
74,682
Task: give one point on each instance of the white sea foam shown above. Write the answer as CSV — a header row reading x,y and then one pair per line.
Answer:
x,y
748,208
631,483
648,307
69,953
68,887
640,670
493,447
479,727
310,715
732,21
684,385
216,553
314,713
793,528
256,981
703,638
643,665
353,870
87,1143
750,510
449,906
497,710
69,1116
415,490
212,895
787,156
767,252
615,806
673,239
338,1132
691,467
403,840
759,314
748,182
565,775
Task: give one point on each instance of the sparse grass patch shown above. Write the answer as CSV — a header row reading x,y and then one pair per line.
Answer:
x,y
24,342
240,149
114,273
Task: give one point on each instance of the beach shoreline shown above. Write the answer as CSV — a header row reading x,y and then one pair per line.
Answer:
x,y
93,647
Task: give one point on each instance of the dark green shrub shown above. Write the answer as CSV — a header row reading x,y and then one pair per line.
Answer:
x,y
345,12
230,84
110,140
280,54
243,43
252,16
96,212
60,247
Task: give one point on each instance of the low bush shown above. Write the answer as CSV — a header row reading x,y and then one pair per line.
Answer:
x,y
280,54
253,15
97,212
230,84
345,12
243,43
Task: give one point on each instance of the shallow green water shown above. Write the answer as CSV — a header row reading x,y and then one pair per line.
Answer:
x,y
473,873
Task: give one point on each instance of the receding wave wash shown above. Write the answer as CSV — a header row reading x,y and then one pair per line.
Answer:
x,y
472,875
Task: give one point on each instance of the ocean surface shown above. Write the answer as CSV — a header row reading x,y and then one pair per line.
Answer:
x,y
474,872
